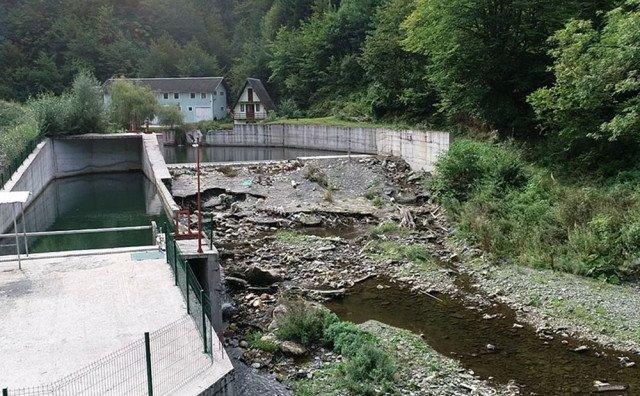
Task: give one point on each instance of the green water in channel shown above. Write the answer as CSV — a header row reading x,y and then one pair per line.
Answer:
x,y
101,200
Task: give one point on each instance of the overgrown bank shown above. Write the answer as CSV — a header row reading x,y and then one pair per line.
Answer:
x,y
521,213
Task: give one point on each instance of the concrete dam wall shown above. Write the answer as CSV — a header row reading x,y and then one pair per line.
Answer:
x,y
420,149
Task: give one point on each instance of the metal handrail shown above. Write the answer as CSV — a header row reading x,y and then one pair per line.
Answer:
x,y
82,231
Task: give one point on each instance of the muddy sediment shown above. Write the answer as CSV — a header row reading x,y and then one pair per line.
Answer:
x,y
329,231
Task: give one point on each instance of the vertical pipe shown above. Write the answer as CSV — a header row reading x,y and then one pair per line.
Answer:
x,y
204,322
15,229
147,351
24,230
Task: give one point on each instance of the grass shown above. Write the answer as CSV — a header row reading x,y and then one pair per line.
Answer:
x,y
388,227
293,238
339,122
397,251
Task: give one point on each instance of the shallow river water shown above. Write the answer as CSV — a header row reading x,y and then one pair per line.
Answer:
x,y
538,366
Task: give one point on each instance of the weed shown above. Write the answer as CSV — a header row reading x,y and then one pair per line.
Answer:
x,y
256,342
316,175
378,202
391,250
304,324
388,227
293,238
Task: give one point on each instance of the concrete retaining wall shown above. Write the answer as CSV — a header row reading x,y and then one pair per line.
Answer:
x,y
419,148
93,153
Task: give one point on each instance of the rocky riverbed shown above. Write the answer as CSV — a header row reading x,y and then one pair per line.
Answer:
x,y
315,229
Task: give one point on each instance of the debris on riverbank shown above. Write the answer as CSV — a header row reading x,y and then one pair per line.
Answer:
x,y
315,229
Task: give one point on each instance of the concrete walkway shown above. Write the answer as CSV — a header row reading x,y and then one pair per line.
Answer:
x,y
60,314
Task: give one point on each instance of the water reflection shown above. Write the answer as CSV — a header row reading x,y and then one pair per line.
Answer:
x,y
90,201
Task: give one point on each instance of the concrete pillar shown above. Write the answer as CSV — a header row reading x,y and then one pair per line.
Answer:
x,y
216,289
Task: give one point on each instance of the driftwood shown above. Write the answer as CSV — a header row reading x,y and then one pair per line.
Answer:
x,y
406,219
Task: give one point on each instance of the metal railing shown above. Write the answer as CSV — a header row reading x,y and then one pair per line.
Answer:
x,y
8,170
198,302
157,364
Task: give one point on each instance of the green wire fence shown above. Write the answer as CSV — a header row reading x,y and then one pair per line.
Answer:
x,y
198,302
157,364
160,362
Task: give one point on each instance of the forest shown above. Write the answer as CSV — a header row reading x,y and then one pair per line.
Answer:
x,y
542,97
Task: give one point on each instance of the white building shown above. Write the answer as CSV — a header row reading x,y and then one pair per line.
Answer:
x,y
253,104
199,98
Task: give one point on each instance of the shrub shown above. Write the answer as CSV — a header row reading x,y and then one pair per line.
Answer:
x,y
288,108
52,113
520,212
85,106
470,165
304,324
370,368
77,111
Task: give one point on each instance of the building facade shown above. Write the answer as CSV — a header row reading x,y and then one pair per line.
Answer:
x,y
253,104
199,98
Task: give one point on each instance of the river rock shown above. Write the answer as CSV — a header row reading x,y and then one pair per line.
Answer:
x,y
261,277
228,309
236,283
310,220
279,311
292,348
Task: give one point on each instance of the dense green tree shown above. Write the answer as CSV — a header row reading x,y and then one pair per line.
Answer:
x,y
131,104
596,94
317,63
398,83
486,56
169,116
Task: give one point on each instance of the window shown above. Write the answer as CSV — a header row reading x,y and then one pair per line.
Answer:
x,y
215,93
222,108
203,95
176,95
221,93
190,108
165,95
241,107
257,106
193,95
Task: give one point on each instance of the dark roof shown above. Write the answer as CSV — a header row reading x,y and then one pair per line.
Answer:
x,y
178,84
261,91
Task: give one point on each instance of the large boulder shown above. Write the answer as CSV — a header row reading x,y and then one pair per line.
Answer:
x,y
292,348
261,277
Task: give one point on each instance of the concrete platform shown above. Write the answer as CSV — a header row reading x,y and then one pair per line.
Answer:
x,y
60,314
